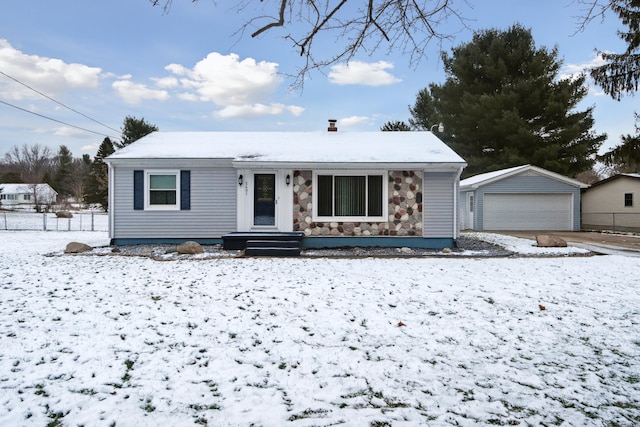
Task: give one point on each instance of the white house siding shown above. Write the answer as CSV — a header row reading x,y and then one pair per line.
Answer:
x,y
438,205
208,218
527,184
603,205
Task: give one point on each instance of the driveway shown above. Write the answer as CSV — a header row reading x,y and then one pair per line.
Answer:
x,y
603,243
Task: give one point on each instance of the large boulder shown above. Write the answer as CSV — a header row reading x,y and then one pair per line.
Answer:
x,y
190,248
548,241
76,248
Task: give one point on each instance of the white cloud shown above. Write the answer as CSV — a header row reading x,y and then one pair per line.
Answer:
x,y
363,73
256,110
353,121
571,71
242,88
133,93
67,131
166,82
48,75
90,148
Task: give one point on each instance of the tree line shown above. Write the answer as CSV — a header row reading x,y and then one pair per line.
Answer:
x,y
77,180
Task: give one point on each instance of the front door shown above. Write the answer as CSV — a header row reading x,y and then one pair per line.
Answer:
x,y
264,199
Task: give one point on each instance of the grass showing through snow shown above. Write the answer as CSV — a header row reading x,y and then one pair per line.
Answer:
x,y
127,341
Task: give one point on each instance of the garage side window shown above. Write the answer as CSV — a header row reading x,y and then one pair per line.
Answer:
x,y
628,199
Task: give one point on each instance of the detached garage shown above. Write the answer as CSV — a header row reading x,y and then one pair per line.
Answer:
x,y
520,198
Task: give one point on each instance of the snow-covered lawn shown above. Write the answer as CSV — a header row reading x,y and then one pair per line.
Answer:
x,y
128,341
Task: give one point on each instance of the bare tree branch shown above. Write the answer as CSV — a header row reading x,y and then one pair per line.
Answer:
x,y
364,27
280,23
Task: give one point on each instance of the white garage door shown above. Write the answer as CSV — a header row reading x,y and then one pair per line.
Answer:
x,y
528,212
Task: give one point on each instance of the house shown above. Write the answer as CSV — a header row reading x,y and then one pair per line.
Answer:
x,y
520,198
333,188
612,204
27,195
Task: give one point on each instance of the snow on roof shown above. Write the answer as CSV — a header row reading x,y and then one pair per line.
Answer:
x,y
23,188
476,179
486,178
631,175
293,147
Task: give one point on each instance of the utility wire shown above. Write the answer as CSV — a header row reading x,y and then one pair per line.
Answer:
x,y
53,120
58,102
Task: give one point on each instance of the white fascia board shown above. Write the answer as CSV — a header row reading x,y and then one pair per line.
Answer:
x,y
431,167
168,162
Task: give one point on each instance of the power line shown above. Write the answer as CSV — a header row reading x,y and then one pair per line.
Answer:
x,y
53,120
57,102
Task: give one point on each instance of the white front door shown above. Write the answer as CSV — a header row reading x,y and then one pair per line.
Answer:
x,y
265,200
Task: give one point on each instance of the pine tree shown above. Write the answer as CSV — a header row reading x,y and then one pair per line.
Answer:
x,y
395,126
621,72
97,186
503,104
621,75
133,129
63,171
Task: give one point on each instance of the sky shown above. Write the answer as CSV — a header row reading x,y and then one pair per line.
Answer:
x,y
94,63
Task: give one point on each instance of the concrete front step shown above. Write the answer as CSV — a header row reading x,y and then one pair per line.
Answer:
x,y
238,240
271,251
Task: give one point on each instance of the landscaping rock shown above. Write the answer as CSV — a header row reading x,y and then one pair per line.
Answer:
x,y
190,248
548,241
64,214
76,248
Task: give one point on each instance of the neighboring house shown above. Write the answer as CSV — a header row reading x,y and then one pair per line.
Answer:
x,y
338,189
612,204
23,195
520,198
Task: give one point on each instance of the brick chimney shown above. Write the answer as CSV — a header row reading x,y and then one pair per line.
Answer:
x,y
332,126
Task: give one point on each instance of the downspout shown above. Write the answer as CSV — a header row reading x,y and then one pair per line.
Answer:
x,y
456,196
111,198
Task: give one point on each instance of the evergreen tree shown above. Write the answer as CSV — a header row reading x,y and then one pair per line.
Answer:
x,y
625,157
63,171
619,75
503,104
133,129
395,126
621,72
97,185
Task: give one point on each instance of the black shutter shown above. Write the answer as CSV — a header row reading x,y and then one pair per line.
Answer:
x,y
185,190
138,190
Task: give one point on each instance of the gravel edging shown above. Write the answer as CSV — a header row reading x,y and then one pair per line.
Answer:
x,y
466,247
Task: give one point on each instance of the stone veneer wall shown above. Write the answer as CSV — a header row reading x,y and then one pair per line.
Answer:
x,y
405,209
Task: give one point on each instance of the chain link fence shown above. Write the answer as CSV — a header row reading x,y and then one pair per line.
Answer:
x,y
611,221
79,221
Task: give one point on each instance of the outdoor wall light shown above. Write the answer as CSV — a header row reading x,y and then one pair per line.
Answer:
x,y
440,127
287,180
240,180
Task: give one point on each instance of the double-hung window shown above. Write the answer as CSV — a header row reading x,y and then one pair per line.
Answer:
x,y
628,199
162,190
341,196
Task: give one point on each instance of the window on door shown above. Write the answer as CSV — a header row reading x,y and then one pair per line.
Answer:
x,y
264,199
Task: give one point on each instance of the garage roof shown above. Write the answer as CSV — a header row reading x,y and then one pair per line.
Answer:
x,y
476,181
